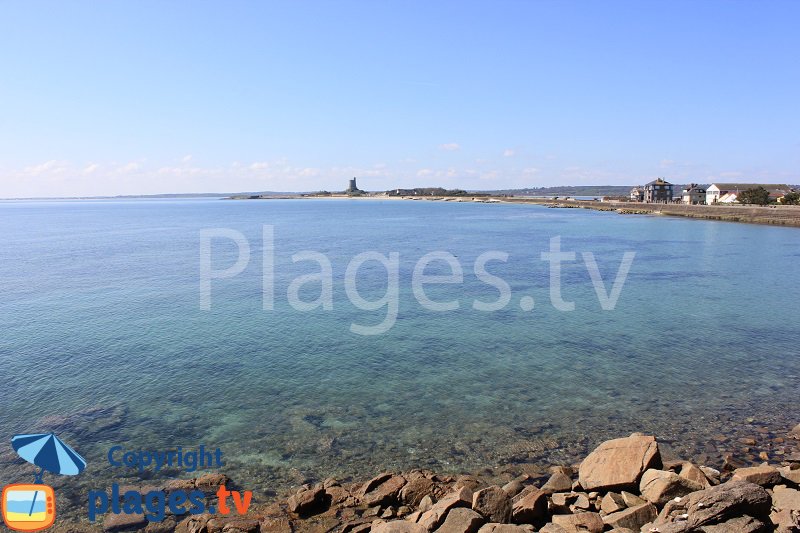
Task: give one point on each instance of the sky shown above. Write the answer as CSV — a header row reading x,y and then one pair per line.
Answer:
x,y
140,97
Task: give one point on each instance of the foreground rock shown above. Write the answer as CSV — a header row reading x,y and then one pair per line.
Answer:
x,y
493,503
633,517
619,463
733,500
461,520
576,523
660,486
623,486
763,475
531,508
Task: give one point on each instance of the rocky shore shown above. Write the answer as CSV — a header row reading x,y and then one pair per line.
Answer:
x,y
624,485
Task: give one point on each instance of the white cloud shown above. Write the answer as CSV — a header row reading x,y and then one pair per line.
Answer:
x,y
666,163
187,158
127,169
308,172
508,152
90,168
450,147
259,165
48,167
530,171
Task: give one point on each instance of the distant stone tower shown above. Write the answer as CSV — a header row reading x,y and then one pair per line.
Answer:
x,y
353,187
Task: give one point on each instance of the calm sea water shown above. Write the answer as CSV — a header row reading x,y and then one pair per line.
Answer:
x,y
100,309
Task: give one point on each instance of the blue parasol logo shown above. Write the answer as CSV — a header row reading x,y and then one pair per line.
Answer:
x,y
49,453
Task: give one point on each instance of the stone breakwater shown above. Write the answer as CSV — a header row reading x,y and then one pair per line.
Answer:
x,y
624,485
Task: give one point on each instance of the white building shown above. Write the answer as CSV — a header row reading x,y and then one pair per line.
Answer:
x,y
727,192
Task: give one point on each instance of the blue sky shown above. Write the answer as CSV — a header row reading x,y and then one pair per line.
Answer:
x,y
144,97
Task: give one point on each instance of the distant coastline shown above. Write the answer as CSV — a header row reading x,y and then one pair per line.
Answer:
x,y
771,215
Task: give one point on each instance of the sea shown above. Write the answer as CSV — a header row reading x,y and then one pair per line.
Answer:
x,y
153,324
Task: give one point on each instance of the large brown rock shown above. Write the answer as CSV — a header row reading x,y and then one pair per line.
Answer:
x,y
786,499
493,503
716,505
633,517
692,472
461,520
435,516
579,523
740,524
792,476
374,482
785,521
397,526
660,486
561,501
513,487
210,483
307,501
506,528
558,482
631,500
530,509
763,475
384,493
552,528
416,489
612,502
619,463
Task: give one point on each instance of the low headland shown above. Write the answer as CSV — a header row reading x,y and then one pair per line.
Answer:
x,y
627,484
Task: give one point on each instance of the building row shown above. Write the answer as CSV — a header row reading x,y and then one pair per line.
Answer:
x,y
660,191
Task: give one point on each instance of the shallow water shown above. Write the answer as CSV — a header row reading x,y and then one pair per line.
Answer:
x,y
100,307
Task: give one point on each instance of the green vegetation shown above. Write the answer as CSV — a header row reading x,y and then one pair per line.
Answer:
x,y
791,198
754,196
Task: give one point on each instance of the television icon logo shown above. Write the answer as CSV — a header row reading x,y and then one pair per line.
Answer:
x,y
28,507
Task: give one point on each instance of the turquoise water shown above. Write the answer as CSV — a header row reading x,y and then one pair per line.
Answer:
x,y
100,308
